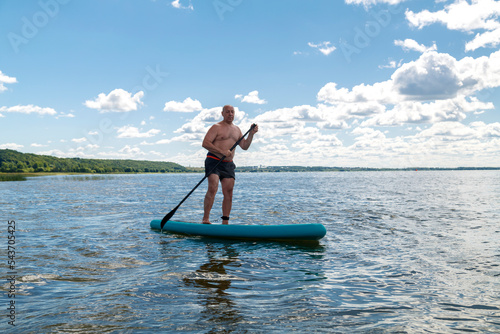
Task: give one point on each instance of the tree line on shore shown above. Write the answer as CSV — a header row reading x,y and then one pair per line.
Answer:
x,y
12,161
16,162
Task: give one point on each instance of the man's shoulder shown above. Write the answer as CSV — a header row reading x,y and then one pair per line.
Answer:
x,y
215,127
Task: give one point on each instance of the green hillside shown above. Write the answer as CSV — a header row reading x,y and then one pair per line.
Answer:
x,y
16,162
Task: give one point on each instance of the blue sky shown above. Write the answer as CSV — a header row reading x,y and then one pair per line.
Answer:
x,y
371,83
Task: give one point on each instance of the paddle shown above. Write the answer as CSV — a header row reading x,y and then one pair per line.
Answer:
x,y
172,213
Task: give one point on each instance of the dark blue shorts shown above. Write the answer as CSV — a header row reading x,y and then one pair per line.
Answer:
x,y
224,170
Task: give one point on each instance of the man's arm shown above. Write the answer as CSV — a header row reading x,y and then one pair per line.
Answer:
x,y
245,143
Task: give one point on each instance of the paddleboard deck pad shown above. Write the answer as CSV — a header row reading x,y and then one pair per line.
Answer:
x,y
287,232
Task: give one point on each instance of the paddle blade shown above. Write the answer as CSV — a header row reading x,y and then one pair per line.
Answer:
x,y
167,217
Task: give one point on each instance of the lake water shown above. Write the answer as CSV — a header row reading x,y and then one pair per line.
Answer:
x,y
405,252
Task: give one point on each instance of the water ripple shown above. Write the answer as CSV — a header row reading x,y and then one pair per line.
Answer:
x,y
405,252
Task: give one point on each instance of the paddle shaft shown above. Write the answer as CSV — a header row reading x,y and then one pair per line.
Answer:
x,y
171,213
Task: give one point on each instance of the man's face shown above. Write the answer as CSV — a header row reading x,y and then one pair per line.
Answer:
x,y
228,114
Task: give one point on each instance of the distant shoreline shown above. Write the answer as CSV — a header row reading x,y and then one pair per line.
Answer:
x,y
21,176
16,166
277,169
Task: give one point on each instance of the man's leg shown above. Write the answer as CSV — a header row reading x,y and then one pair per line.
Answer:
x,y
227,202
213,184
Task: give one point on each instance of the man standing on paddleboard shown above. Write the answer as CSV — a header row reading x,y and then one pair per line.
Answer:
x,y
218,141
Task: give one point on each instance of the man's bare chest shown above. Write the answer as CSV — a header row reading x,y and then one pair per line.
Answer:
x,y
223,136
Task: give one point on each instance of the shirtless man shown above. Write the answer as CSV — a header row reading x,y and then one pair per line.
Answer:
x,y
218,140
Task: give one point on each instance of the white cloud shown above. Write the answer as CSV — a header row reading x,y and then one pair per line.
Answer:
x,y
11,146
444,144
486,130
285,121
368,3
459,131
177,4
486,39
131,151
419,112
391,64
467,17
252,97
133,132
79,140
117,100
434,94
460,15
433,76
412,45
325,47
312,139
38,145
29,109
63,115
5,79
195,129
188,105
381,92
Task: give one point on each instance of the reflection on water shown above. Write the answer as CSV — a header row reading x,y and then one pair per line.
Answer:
x,y
405,252
212,281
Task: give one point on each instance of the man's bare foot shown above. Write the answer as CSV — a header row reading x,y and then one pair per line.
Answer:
x,y
206,222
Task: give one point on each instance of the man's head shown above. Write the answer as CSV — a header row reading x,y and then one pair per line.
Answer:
x,y
228,113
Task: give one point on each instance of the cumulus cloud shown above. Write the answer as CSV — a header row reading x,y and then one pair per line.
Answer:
x,y
11,146
324,47
381,92
464,16
391,64
486,39
428,112
443,144
133,132
433,76
195,129
286,120
188,105
177,4
458,131
131,151
368,3
118,100
412,45
38,145
435,92
435,89
29,109
5,79
252,97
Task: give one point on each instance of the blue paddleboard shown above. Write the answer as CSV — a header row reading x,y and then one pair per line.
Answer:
x,y
289,232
